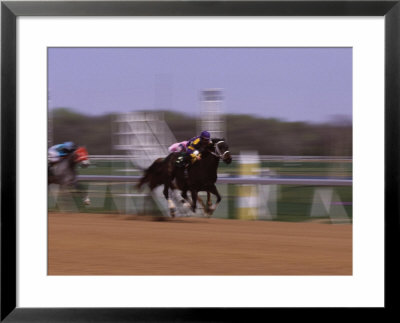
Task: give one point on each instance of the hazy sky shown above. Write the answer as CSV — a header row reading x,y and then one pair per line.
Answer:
x,y
292,84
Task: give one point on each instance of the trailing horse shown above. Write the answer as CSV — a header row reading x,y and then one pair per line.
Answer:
x,y
64,172
202,175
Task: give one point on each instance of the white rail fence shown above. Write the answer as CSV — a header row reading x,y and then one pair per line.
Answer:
x,y
262,158
234,180
263,200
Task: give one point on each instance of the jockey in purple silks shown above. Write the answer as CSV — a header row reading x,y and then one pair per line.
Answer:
x,y
194,148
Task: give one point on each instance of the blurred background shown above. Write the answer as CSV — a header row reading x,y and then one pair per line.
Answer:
x,y
286,114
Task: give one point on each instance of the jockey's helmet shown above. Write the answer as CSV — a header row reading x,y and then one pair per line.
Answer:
x,y
205,135
69,145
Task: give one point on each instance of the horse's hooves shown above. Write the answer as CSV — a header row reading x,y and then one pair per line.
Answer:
x,y
172,212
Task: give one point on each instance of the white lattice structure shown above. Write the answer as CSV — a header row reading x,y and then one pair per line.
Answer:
x,y
143,135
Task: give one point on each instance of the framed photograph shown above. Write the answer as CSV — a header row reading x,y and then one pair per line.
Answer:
x,y
293,105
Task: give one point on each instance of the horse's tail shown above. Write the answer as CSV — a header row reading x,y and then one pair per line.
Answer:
x,y
149,173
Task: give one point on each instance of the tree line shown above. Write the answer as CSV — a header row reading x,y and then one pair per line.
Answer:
x,y
268,136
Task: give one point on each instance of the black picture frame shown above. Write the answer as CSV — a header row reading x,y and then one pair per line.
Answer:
x,y
10,10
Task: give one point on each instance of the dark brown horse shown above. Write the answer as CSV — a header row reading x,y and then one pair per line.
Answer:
x,y
202,175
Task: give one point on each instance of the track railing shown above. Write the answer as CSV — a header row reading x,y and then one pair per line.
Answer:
x,y
233,180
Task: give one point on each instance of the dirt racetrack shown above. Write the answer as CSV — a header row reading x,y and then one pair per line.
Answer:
x,y
110,244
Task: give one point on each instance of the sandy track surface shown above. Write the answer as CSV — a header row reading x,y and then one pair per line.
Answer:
x,y
109,244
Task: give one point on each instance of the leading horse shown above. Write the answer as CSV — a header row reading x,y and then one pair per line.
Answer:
x,y
64,172
202,175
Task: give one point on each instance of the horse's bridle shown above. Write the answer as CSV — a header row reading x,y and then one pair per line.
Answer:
x,y
218,152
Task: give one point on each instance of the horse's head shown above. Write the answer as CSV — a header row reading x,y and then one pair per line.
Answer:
x,y
81,156
221,150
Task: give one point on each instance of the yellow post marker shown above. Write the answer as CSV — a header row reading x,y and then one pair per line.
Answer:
x,y
248,198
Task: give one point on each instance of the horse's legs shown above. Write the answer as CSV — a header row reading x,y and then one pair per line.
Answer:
x,y
212,208
209,202
194,200
185,199
202,203
184,194
79,188
171,205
